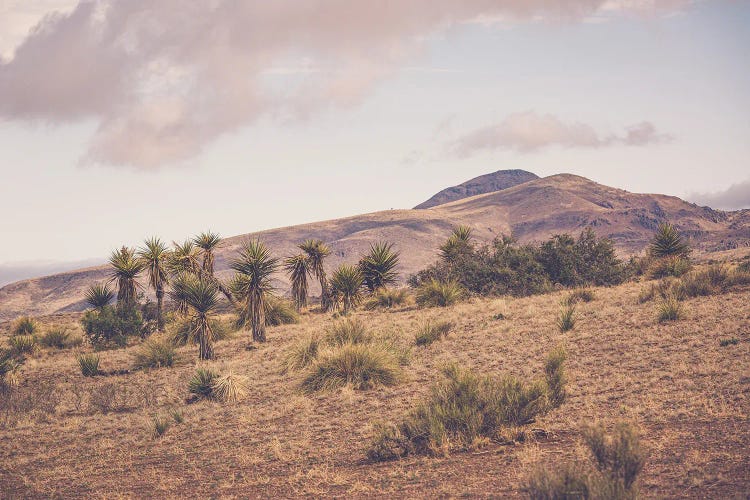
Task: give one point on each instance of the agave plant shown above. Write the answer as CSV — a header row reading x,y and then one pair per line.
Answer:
x,y
125,270
154,256
346,287
207,242
378,266
99,296
201,297
668,242
316,252
458,243
297,266
252,284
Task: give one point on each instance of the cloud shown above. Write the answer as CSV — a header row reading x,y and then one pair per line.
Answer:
x,y
735,197
164,78
528,132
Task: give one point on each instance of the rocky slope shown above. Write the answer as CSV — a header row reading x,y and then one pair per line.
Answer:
x,y
488,183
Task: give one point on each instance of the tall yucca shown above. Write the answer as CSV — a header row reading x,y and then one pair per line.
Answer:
x,y
201,296
316,252
125,270
154,255
346,287
184,258
207,242
99,295
178,294
252,284
457,243
668,242
378,267
297,266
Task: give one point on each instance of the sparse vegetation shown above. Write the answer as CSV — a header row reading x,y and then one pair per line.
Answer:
x,y
89,364
280,312
361,366
567,319
386,298
669,309
156,352
25,325
436,293
431,331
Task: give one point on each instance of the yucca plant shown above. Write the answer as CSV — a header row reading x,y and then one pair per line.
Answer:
x,y
297,267
346,287
229,388
207,242
252,284
316,252
378,267
202,382
25,325
458,243
434,293
567,318
154,256
184,258
21,345
201,297
89,364
99,295
668,242
125,270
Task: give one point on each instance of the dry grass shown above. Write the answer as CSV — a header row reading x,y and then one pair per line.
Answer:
x,y
688,394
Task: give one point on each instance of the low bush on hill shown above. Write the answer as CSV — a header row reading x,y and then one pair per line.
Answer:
x,y
431,331
111,326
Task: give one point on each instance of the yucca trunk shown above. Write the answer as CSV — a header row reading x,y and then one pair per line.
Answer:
x,y
205,336
257,316
126,293
159,308
325,294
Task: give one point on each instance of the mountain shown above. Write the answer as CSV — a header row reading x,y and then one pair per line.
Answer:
x,y
531,211
488,183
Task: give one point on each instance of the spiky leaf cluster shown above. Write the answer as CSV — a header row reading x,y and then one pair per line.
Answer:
x,y
378,267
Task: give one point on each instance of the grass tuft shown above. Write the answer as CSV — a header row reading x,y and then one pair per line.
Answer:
x,y
22,345
347,331
567,318
580,295
728,342
361,366
229,388
302,353
386,298
60,338
160,426
431,331
280,312
669,309
156,352
89,364
436,293
25,325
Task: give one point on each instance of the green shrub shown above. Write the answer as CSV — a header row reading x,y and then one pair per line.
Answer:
x,y
156,352
22,345
436,293
302,353
669,309
362,366
280,312
431,331
347,331
669,266
89,364
463,407
25,325
567,318
111,325
202,383
385,298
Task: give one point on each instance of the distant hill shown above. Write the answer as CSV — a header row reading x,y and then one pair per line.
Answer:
x,y
488,183
531,211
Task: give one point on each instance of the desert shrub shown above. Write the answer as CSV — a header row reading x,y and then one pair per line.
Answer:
x,y
744,266
617,456
664,288
25,325
710,281
111,397
89,364
669,309
554,376
111,325
22,345
183,332
565,482
436,293
38,401
674,265
280,312
302,353
160,426
567,319
8,368
738,277
155,352
464,407
431,331
730,341
580,295
202,383
57,337
361,366
386,298
229,388
347,331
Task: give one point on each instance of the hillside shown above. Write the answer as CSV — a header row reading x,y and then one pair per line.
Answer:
x,y
487,183
531,211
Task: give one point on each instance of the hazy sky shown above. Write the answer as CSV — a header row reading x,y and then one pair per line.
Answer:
x,y
121,120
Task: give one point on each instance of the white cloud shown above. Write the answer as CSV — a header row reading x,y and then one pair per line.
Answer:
x,y
735,197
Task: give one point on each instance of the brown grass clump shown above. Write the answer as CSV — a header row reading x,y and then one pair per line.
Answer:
x,y
156,352
280,312
386,298
23,345
436,293
669,309
25,325
567,319
431,331
580,295
675,265
229,388
60,337
347,331
361,366
302,353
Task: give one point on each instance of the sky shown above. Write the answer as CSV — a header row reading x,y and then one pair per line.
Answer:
x,y
120,120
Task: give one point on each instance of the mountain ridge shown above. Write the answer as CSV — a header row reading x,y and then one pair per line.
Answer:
x,y
487,183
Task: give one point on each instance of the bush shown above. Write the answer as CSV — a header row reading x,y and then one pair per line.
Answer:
x,y
25,325
202,383
111,325
465,407
22,345
347,331
432,331
302,353
565,482
111,397
567,319
618,456
362,366
711,281
229,388
156,352
55,337
436,293
667,287
669,266
384,298
280,312
89,364
8,368
580,295
669,309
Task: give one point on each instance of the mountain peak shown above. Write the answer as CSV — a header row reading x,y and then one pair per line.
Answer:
x,y
488,183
